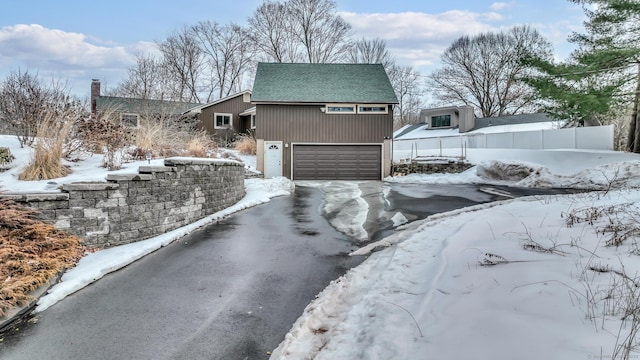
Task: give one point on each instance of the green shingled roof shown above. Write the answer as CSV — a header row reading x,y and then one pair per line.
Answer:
x,y
142,106
322,83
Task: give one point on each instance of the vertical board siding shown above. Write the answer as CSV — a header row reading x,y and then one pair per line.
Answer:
x,y
233,106
307,124
296,123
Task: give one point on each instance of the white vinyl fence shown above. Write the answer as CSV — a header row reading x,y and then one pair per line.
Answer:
x,y
584,138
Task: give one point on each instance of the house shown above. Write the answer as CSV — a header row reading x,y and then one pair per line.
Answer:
x,y
323,121
131,110
458,120
225,117
452,130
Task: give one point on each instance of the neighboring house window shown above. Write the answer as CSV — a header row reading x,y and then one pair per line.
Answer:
x,y
372,109
441,121
222,121
253,121
340,109
129,120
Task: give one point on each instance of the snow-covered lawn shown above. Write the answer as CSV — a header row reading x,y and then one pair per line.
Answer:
x,y
529,278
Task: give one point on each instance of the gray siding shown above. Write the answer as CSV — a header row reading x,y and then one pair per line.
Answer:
x,y
233,106
307,124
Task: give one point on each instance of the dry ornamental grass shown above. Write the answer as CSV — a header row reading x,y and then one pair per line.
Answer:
x,y
31,253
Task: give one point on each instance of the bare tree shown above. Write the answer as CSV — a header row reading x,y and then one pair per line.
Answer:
x,y
407,84
271,34
182,56
24,101
373,51
484,71
321,32
226,53
147,79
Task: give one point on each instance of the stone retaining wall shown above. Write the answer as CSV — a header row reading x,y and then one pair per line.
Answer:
x,y
132,207
431,167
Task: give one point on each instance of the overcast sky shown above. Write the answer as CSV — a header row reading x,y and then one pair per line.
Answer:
x,y
81,40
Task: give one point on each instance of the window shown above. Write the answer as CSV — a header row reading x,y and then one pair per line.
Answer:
x,y
341,109
223,121
372,109
253,121
129,120
441,121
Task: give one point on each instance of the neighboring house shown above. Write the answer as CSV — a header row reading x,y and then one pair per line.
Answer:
x,y
452,130
323,121
456,120
225,117
131,110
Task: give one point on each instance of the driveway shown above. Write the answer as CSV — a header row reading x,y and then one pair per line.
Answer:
x,y
233,289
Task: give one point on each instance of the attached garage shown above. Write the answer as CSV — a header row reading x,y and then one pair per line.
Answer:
x,y
337,162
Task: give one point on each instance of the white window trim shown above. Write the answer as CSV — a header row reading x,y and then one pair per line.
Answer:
x,y
385,106
327,106
253,121
130,114
215,122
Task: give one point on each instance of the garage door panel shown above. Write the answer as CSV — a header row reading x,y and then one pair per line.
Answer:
x,y
337,162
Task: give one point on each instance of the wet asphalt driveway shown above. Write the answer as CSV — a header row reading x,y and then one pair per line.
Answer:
x,y
229,291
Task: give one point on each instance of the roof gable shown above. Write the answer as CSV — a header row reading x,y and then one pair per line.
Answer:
x,y
199,107
322,83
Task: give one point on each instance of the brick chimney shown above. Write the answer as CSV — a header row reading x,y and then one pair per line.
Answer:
x,y
95,93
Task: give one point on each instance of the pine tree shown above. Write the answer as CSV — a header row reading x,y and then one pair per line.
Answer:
x,y
603,72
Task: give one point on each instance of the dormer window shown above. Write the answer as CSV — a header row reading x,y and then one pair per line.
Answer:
x,y
441,121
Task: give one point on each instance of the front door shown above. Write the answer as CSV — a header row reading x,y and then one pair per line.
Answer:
x,y
272,159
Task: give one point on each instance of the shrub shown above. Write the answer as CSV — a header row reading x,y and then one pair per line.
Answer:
x,y
6,157
46,162
246,145
160,137
200,144
31,253
105,134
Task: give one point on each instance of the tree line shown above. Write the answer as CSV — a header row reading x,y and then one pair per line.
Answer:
x,y
498,73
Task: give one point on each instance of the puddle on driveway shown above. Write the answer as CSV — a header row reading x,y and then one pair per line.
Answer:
x,y
369,210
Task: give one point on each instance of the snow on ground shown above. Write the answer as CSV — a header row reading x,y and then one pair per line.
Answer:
x,y
345,206
509,281
534,168
528,278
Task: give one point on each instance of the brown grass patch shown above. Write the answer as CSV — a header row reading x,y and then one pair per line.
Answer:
x,y
46,162
246,145
200,144
31,253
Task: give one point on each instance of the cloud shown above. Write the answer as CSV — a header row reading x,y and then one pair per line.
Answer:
x,y
416,38
497,6
67,55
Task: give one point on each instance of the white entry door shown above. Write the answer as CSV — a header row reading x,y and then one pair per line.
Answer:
x,y
272,159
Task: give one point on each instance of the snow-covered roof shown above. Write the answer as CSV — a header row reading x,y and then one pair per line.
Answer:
x,y
511,123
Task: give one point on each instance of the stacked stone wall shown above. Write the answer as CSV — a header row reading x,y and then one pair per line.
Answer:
x,y
132,207
431,167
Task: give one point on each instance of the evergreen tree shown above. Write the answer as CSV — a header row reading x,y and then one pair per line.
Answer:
x,y
603,73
